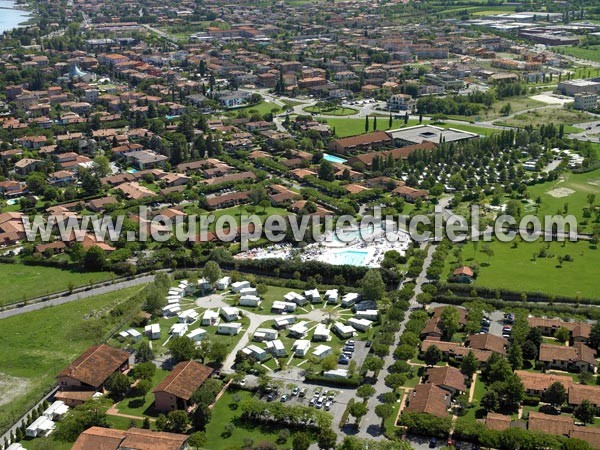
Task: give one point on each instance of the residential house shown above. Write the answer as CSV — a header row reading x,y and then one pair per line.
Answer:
x,y
25,166
487,341
100,438
578,356
428,398
497,422
210,318
361,142
265,334
231,329
537,383
579,392
176,390
229,313
301,347
343,331
152,331
299,330
550,424
449,378
462,274
255,352
321,333
322,351
178,329
580,331
277,348
250,300
282,323
359,324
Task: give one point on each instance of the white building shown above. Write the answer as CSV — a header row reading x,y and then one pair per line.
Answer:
x,y
299,330
369,314
359,324
229,313
343,331
188,316
350,299
239,285
313,296
265,334
365,305
296,298
15,446
332,296
134,335
256,352
284,322
322,351
301,347
231,329
178,329
248,291
171,310
171,299
175,292
204,285
277,348
210,318
152,331
56,410
250,300
585,101
42,426
321,333
223,283
336,373
279,306
197,335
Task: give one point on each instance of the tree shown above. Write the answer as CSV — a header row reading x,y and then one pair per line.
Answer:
x,y
118,385
366,124
207,393
555,394
142,388
326,171
594,339
301,441
469,364
178,421
585,411
90,182
327,439
145,353
562,334
143,371
91,413
182,348
394,380
101,165
212,272
449,321
490,401
218,352
373,285
365,391
530,351
358,410
384,411
373,364
197,440
94,259
432,355
515,356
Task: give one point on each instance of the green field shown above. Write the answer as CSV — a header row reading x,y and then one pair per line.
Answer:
x,y
142,406
516,104
516,270
261,108
544,116
352,127
570,189
337,111
592,53
35,346
19,282
226,411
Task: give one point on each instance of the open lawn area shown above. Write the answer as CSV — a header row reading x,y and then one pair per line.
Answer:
x,y
516,269
352,127
545,116
20,282
274,293
36,346
261,108
516,104
235,211
142,406
227,410
571,190
592,53
335,111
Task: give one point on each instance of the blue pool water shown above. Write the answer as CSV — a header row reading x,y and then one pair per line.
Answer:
x,y
334,159
132,171
350,257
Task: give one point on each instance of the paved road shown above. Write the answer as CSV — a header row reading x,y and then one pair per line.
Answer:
x,y
78,296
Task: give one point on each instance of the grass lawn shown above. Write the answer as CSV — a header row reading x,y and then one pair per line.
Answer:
x,y
514,268
226,411
45,443
20,282
351,127
592,53
273,294
142,406
516,104
571,189
545,116
235,212
261,108
337,111
34,347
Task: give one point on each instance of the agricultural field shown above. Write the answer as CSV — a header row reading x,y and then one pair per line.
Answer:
x,y
20,282
592,53
524,268
48,340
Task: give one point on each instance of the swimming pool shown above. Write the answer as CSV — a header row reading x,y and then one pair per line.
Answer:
x,y
350,257
333,159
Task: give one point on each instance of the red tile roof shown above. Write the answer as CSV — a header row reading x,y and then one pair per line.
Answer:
x,y
184,379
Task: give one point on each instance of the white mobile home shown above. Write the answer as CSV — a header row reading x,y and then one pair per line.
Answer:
x,y
299,330
350,299
204,285
239,285
223,283
322,351
265,334
284,322
359,324
134,335
250,300
175,292
256,352
178,329
229,313
321,333
56,410
331,296
197,335
336,373
188,316
301,347
231,329
210,318
279,306
171,299
365,305
248,291
313,296
369,314
343,331
171,310
296,298
152,331
277,348
42,426
15,446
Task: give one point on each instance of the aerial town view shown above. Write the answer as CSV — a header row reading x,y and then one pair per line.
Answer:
x,y
299,224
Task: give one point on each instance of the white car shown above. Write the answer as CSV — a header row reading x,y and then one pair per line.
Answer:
x,y
328,405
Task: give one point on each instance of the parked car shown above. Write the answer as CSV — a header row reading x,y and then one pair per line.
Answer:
x,y
284,398
312,402
271,397
343,361
368,344
296,391
432,442
302,393
319,404
328,405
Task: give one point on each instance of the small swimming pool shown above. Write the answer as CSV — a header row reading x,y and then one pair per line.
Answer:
x,y
132,171
333,159
350,257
